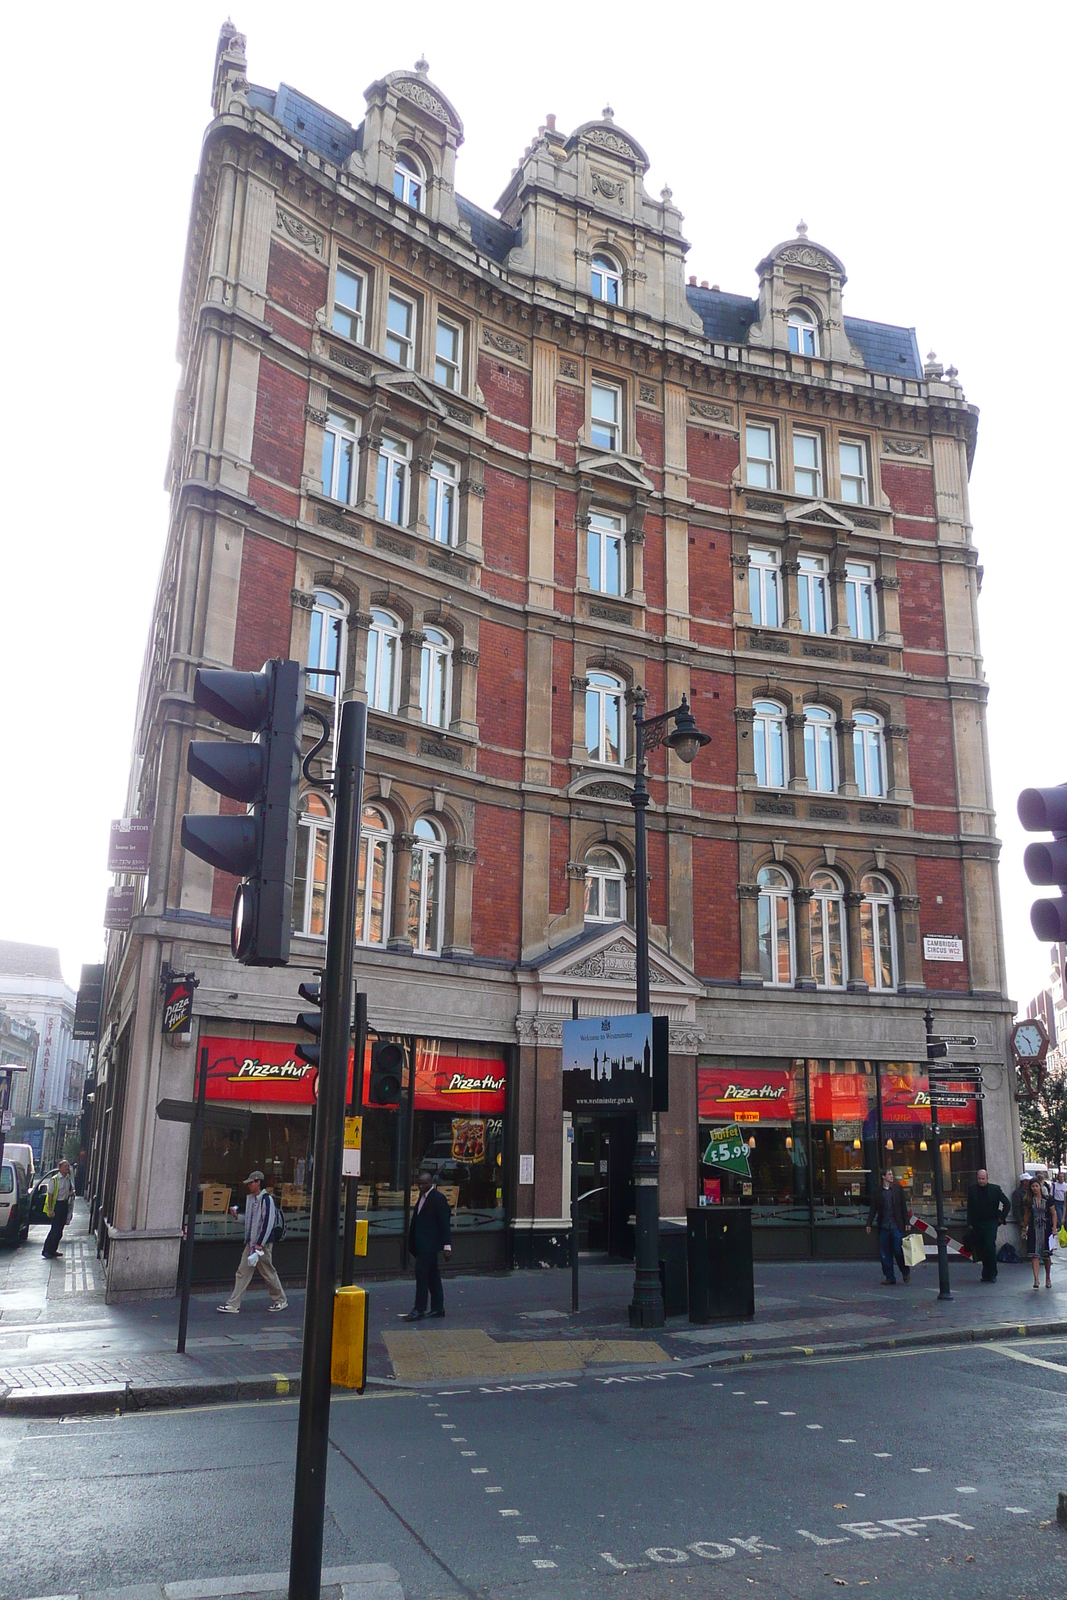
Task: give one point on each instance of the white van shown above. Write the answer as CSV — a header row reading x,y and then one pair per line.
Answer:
x,y
14,1203
22,1156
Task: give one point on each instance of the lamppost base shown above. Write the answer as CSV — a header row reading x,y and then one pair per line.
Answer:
x,y
646,1314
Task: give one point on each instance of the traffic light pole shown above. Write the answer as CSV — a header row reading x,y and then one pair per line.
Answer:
x,y
312,1444
348,1253
196,1145
944,1288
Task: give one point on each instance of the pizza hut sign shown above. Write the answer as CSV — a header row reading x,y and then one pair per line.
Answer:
x,y
258,1069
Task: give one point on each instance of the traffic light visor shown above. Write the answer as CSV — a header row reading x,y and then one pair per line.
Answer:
x,y
1044,810
230,843
235,770
240,699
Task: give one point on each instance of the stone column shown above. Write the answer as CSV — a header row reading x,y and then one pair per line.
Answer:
x,y
847,757
578,749
791,594
839,599
459,889
748,901
471,502
898,778
798,776
745,716
399,941
740,561
909,947
411,675
359,625
370,442
421,465
888,588
465,693
802,899
857,984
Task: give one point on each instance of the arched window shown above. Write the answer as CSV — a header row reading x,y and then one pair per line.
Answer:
x,y
408,181
820,765
435,679
775,927
605,279
868,744
803,332
326,646
442,504
383,661
827,913
605,886
878,932
375,872
605,553
427,890
769,748
604,727
311,868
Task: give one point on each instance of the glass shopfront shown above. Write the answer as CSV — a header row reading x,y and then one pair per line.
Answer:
x,y
819,1133
450,1119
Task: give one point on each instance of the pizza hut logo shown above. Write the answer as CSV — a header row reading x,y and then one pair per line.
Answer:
x,y
459,1083
741,1091
270,1071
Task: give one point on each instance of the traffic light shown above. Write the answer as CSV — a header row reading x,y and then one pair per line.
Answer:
x,y
258,847
1045,811
311,1022
386,1072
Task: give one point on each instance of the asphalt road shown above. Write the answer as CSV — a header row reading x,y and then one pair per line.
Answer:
x,y
930,1474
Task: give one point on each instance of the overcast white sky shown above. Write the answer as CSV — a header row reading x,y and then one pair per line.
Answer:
x,y
922,143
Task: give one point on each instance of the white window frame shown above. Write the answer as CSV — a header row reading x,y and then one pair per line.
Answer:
x,y
409,182
443,501
813,584
813,475
435,679
394,468
598,874
326,644
604,531
875,900
352,318
450,366
761,472
314,834
819,912
612,428
775,887
404,343
860,580
427,862
383,641
375,847
603,687
803,331
868,735
608,290
855,487
769,715
340,443
765,584
820,749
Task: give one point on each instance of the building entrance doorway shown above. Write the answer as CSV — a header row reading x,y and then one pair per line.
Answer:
x,y
606,1147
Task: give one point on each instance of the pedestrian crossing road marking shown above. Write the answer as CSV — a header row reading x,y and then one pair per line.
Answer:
x,y
1020,1355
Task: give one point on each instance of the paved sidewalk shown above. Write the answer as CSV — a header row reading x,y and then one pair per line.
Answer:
x,y
62,1350
368,1581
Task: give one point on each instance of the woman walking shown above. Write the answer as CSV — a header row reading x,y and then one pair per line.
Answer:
x,y
1039,1222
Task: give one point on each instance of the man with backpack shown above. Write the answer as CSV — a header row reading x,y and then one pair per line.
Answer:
x,y
264,1226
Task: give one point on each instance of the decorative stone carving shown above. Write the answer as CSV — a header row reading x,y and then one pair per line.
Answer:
x,y
823,813
606,791
539,1030
395,547
764,806
579,683
821,517
476,488
440,751
711,412
318,417
459,415
754,503
647,394
568,367
748,891
915,448
862,521
302,599
894,731
806,255
883,819
453,569
469,658
297,230
617,963
496,339
744,713
331,519
887,582
686,1041
742,561
343,359
768,641
608,139
879,658
909,902
610,614
823,652
610,188
576,871
463,854
391,736
420,95
845,726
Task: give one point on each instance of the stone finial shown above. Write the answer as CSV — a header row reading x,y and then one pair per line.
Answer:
x,y
802,228
422,66
666,194
608,114
952,374
932,367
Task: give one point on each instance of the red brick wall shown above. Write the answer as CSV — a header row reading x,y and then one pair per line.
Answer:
x,y
559,853
497,903
504,533
942,877
657,868
655,573
507,394
278,441
562,709
711,582
717,929
570,414
295,282
921,617
712,458
566,550
716,763
931,759
264,606
911,492
650,438
501,699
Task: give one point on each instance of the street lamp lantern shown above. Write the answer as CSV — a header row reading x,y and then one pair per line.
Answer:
x,y
685,739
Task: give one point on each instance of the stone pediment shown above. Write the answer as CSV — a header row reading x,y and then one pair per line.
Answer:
x,y
619,469
409,386
599,970
804,252
822,515
604,136
416,88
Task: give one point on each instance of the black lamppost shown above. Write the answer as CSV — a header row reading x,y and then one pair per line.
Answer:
x,y
646,1307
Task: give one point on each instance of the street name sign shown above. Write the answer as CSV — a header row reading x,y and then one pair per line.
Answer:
x,y
954,1038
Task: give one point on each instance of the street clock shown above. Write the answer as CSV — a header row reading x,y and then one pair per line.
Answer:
x,y
1029,1046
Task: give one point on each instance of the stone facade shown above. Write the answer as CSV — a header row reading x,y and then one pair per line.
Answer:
x,y
281,366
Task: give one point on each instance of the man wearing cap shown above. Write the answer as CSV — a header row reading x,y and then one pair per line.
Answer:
x,y
260,1218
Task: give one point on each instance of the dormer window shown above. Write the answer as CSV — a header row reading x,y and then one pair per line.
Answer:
x,y
408,181
803,332
605,279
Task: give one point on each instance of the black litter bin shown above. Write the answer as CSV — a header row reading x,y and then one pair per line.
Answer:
x,y
673,1275
719,1251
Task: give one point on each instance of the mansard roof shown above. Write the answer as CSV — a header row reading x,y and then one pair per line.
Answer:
x,y
884,347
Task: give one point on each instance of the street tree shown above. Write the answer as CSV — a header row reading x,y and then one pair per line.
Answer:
x,y
1044,1120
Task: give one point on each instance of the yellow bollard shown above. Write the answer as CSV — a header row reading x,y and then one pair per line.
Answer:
x,y
360,1248
348,1365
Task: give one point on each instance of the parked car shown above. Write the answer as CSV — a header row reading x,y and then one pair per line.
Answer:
x,y
14,1204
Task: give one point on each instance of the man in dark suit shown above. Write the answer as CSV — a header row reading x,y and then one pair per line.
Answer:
x,y
988,1207
431,1231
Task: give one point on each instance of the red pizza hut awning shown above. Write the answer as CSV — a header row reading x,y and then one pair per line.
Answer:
x,y
758,1094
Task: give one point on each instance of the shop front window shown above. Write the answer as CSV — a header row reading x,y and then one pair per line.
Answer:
x,y
844,1139
907,1147
767,1101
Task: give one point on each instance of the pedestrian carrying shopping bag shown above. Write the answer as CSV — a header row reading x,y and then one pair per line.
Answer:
x,y
1063,1237
914,1250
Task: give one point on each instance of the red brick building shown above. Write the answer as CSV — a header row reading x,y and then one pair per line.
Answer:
x,y
503,472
